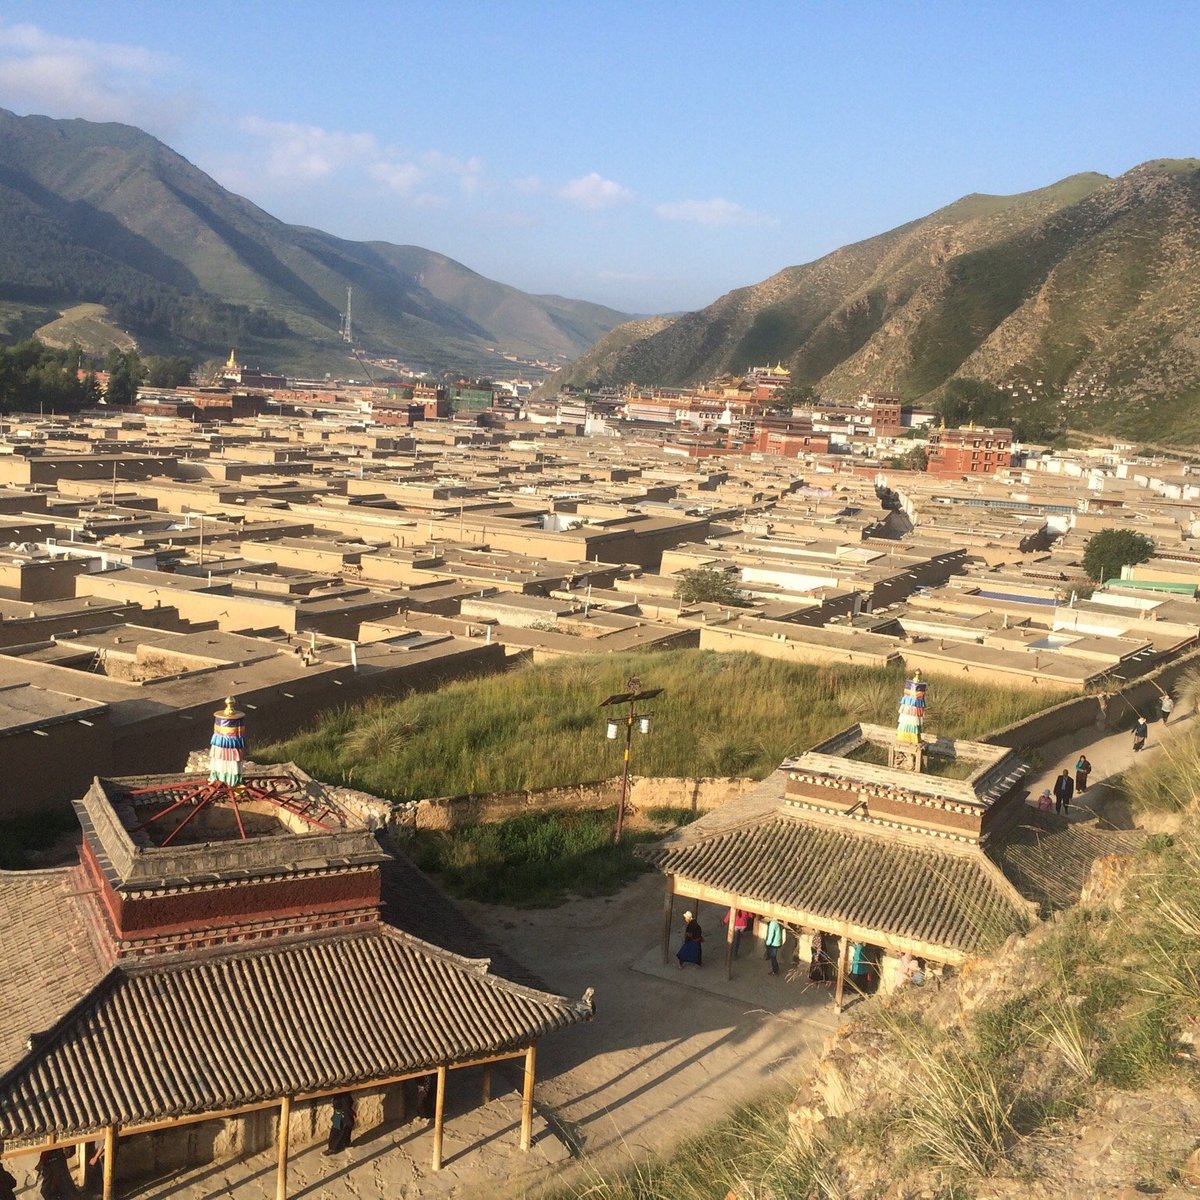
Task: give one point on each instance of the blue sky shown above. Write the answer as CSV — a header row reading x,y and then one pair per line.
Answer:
x,y
644,155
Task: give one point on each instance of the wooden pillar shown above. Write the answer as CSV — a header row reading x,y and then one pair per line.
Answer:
x,y
439,1114
729,936
487,1083
668,919
843,954
285,1121
110,1160
527,1097
81,1161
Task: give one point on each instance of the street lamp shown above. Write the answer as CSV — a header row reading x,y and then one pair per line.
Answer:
x,y
630,698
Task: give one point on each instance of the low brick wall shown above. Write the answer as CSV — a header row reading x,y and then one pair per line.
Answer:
x,y
1110,711
453,812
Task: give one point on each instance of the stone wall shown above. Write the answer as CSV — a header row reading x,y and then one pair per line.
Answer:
x,y
1108,711
453,812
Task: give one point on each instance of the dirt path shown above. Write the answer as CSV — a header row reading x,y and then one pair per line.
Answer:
x,y
668,1053
1110,754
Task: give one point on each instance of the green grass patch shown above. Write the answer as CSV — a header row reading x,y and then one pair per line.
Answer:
x,y
535,860
541,726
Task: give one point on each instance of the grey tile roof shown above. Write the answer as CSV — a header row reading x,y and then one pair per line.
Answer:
x,y
901,889
234,1029
1049,859
49,959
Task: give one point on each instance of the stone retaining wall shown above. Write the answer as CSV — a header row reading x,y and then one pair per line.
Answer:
x,y
1109,711
453,812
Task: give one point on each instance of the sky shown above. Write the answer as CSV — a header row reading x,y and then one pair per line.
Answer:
x,y
643,155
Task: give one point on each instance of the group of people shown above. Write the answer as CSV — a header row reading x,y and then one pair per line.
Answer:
x,y
1066,788
692,948
775,936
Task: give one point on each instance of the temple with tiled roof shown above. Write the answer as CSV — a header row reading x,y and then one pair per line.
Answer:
x,y
219,954
892,839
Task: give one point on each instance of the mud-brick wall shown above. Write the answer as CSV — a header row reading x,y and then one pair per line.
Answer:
x,y
152,1154
453,812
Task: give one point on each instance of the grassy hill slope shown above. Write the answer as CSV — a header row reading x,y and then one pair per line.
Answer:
x,y
105,213
1088,286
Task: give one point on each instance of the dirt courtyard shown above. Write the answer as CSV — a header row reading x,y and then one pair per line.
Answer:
x,y
668,1053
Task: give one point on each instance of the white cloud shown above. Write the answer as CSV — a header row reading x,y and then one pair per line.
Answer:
x,y
424,179
595,192
714,214
304,152
102,81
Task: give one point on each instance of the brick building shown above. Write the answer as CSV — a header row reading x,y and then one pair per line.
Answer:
x,y
970,450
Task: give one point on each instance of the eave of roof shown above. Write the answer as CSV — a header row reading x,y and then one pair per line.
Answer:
x,y
934,897
229,1030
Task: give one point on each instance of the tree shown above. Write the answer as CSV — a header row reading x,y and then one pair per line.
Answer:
x,y
795,395
125,375
916,459
1109,550
169,372
708,585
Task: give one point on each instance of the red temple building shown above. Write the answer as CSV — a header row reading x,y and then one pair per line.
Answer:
x,y
238,948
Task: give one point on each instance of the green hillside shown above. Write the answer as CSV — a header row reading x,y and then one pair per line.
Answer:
x,y
1084,294
105,214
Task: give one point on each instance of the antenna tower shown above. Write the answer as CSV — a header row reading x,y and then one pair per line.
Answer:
x,y
347,335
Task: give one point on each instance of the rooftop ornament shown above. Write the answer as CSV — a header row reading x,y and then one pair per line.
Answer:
x,y
227,786
908,754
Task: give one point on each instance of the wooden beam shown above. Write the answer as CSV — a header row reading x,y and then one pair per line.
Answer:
x,y
81,1158
668,919
947,955
527,1097
729,941
843,953
52,1140
285,1121
439,1113
110,1161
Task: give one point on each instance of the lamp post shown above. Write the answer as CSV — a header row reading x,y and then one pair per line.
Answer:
x,y
629,699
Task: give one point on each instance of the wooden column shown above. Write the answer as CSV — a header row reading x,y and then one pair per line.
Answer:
x,y
110,1160
81,1161
285,1121
439,1113
487,1084
843,953
668,919
729,936
527,1097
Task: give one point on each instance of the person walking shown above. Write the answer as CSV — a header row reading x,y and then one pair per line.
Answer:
x,y
818,970
1083,769
1167,706
741,922
692,950
774,939
1141,731
341,1124
1064,789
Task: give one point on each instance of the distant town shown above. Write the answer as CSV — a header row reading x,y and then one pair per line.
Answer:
x,y
301,545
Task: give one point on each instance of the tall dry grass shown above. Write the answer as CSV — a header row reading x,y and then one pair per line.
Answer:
x,y
541,726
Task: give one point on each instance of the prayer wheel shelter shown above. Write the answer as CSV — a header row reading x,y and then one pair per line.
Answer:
x,y
867,838
219,956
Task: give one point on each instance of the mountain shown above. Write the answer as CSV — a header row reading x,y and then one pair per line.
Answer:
x,y
1084,294
104,213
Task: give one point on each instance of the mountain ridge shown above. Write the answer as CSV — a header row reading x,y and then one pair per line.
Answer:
x,y
1084,291
104,199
